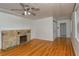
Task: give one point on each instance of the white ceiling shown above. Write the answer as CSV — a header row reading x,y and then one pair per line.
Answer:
x,y
46,9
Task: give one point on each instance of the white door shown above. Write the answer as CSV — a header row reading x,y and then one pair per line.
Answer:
x,y
62,29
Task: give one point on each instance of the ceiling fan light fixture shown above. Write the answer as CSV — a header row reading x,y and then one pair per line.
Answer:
x,y
25,12
29,13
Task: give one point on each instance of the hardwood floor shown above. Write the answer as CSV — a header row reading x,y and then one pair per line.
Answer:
x,y
59,47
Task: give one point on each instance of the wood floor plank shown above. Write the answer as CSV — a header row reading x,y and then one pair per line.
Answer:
x,y
36,47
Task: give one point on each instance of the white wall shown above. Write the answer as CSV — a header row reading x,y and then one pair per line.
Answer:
x,y
75,33
12,22
0,41
33,29
43,29
54,29
68,26
8,21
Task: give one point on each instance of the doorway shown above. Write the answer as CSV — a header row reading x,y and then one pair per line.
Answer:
x,y
62,29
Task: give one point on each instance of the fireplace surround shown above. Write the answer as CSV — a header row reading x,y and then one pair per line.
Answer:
x,y
12,38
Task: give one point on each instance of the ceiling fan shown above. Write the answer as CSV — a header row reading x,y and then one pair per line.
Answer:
x,y
27,9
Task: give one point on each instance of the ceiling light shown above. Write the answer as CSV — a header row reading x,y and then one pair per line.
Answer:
x,y
29,13
25,12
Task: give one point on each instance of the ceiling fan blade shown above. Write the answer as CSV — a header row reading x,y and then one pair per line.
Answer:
x,y
35,9
16,9
23,6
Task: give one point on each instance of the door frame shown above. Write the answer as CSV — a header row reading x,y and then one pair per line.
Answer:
x,y
58,30
65,31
